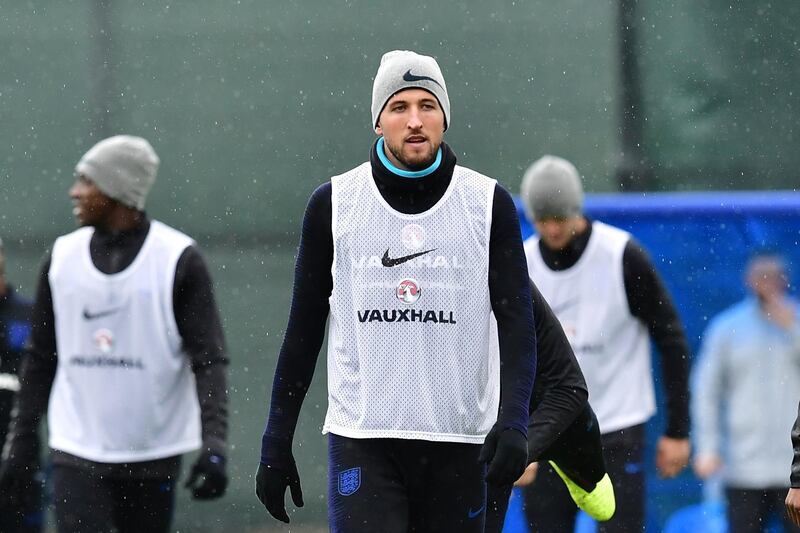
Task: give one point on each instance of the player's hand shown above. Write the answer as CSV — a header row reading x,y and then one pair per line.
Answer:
x,y
529,476
506,453
706,465
672,456
208,478
793,505
271,483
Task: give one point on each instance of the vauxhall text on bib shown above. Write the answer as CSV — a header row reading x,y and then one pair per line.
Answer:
x,y
412,346
124,390
611,345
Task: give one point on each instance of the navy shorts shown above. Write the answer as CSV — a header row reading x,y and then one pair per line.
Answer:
x,y
401,486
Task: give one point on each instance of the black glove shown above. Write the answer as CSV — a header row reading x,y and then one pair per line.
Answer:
x,y
208,479
271,483
506,452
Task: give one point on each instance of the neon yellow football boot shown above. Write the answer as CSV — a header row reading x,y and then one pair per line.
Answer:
x,y
599,504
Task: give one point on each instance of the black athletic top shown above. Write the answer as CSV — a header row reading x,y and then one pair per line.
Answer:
x,y
650,302
200,327
313,283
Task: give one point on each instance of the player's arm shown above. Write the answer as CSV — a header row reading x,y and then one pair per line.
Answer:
x,y
36,374
650,302
709,383
302,341
509,292
200,327
559,392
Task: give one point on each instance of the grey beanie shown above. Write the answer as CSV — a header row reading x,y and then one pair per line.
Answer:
x,y
551,187
402,69
123,167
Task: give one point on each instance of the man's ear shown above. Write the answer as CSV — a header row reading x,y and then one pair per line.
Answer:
x,y
378,129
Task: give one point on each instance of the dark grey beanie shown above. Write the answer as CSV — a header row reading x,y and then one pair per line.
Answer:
x,y
551,187
402,69
123,167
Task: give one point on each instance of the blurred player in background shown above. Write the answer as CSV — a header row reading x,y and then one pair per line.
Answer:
x,y
607,295
745,384
412,256
20,508
127,345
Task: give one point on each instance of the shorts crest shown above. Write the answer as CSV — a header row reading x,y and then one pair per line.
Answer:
x,y
349,481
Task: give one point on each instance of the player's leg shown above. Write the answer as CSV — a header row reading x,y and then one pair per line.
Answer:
x,y
577,457
83,502
578,451
550,501
746,510
624,454
578,454
144,505
366,490
446,487
548,505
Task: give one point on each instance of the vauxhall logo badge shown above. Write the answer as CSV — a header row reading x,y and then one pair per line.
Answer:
x,y
104,340
408,291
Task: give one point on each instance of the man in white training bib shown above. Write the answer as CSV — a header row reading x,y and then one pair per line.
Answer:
x,y
610,300
412,258
126,337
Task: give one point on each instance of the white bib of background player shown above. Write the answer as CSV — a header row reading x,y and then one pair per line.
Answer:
x,y
124,390
412,347
611,345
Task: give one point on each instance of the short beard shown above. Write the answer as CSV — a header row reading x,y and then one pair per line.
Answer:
x,y
414,167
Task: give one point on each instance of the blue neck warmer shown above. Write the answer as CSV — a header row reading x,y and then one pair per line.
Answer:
x,y
407,173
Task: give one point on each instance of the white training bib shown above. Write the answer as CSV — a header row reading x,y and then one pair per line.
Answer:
x,y
412,345
124,390
611,345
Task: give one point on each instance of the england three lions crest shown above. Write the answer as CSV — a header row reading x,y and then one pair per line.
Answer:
x,y
349,481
